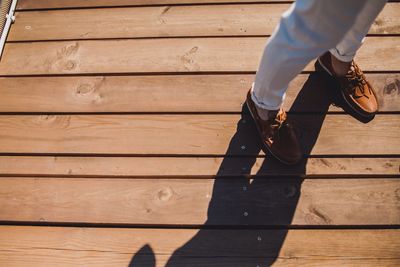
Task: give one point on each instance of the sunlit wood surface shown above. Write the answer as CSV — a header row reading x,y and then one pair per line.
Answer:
x,y
124,142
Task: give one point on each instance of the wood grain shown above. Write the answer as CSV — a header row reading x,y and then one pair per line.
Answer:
x,y
54,4
190,166
198,201
171,55
52,246
160,21
166,21
171,93
189,134
139,168
71,258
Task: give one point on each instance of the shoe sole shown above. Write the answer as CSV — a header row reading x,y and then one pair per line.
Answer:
x,y
262,141
321,68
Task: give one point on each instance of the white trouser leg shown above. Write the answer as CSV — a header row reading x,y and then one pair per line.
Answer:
x,y
348,46
306,30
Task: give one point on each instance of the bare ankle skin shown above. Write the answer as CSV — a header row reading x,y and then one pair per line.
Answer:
x,y
266,114
340,67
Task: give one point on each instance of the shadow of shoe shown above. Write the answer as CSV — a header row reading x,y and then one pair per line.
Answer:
x,y
143,258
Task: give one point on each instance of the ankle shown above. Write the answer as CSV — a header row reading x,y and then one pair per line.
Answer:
x,y
340,68
266,114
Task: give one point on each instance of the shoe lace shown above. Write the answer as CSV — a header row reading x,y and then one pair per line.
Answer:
x,y
280,119
356,79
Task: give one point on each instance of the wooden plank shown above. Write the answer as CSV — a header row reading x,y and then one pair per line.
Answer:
x,y
171,93
166,21
54,4
238,201
160,21
190,134
52,246
71,258
171,55
190,166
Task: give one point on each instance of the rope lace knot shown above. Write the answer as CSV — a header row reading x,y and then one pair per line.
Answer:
x,y
356,80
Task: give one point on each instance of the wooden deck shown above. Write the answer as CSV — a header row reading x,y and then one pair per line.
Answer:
x,y
123,142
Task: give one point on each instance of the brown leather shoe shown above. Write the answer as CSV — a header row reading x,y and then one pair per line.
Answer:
x,y
277,135
355,89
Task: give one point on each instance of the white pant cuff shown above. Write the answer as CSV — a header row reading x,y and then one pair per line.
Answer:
x,y
261,104
343,58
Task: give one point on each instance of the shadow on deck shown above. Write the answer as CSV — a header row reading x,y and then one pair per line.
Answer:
x,y
274,201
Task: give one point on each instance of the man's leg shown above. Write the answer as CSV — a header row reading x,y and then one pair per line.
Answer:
x,y
306,30
346,49
338,63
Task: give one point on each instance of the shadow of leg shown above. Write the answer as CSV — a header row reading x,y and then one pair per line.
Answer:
x,y
248,215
